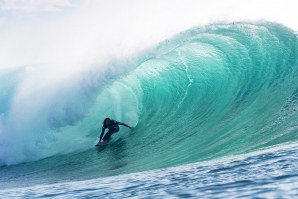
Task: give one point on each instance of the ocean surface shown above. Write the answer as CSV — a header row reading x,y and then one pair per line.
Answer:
x,y
215,110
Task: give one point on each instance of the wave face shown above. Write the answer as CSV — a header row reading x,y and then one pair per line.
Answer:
x,y
209,92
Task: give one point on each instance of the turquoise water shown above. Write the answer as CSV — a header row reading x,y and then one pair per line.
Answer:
x,y
207,93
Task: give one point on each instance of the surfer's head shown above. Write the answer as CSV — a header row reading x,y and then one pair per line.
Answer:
x,y
107,121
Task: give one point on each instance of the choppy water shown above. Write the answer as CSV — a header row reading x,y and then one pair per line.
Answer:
x,y
207,93
270,173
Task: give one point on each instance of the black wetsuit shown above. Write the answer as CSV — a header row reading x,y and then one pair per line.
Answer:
x,y
113,128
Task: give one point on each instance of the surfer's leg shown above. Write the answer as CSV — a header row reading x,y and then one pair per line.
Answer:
x,y
107,136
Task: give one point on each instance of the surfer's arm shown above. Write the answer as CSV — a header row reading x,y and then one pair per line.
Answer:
x,y
120,123
102,132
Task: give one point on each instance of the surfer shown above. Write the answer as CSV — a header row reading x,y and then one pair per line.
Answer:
x,y
113,127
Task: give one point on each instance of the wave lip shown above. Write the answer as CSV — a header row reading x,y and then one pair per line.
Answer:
x,y
219,90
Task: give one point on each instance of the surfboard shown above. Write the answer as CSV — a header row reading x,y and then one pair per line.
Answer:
x,y
101,144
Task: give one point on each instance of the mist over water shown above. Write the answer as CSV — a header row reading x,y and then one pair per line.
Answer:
x,y
94,32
